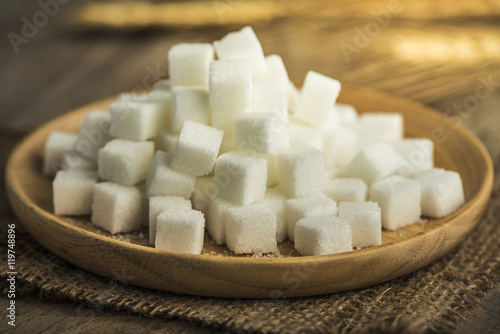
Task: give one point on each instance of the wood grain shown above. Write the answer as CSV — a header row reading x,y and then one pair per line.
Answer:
x,y
402,251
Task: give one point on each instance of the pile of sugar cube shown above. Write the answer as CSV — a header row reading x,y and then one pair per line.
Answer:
x,y
228,145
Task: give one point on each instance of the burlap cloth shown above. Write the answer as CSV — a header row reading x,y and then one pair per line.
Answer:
x,y
438,297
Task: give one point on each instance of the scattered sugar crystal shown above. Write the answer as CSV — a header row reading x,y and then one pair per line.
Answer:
x,y
298,208
242,44
399,198
262,132
302,171
339,147
166,141
189,63
380,126
318,95
322,235
117,208
159,204
56,145
204,190
73,192
180,231
189,103
197,148
300,134
276,201
374,162
94,134
241,178
137,120
442,192
230,93
251,229
417,153
346,189
365,219
125,161
164,180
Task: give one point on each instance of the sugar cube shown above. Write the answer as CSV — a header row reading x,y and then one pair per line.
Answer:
x,y
230,93
300,134
399,198
117,208
159,204
322,235
347,115
346,189
94,134
318,95
276,201
204,190
365,219
374,162
188,64
251,229
272,169
339,147
302,171
189,103
180,231
298,208
166,141
262,132
73,160
380,126
216,218
269,95
241,178
125,161
197,148
242,44
442,192
56,145
164,180
417,153
72,191
137,120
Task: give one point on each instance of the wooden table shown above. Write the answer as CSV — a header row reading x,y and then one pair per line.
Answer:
x,y
436,52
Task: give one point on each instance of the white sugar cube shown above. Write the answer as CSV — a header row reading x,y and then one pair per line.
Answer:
x,y
137,120
197,148
380,126
272,169
188,64
242,44
276,201
204,190
347,115
322,235
241,178
262,132
189,103
216,218
269,95
374,162
159,204
117,208
418,155
133,97
180,231
251,229
300,134
399,198
164,180
298,208
230,93
365,219
227,145
125,161
163,85
346,189
339,147
292,97
318,95
72,191
302,171
276,68
72,160
442,192
166,141
56,145
94,134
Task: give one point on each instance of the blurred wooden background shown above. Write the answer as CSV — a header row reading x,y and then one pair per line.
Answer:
x,y
443,53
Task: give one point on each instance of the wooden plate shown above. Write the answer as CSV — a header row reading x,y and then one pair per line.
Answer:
x,y
218,273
